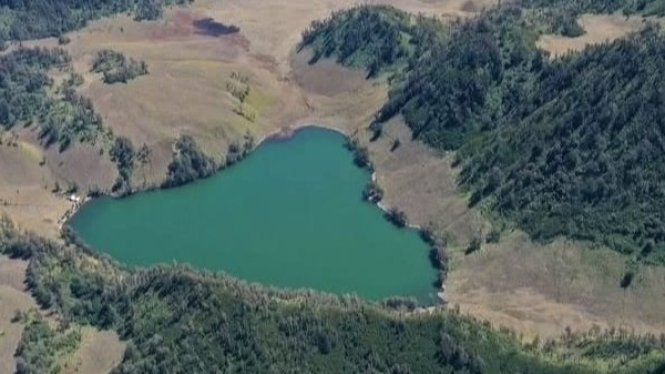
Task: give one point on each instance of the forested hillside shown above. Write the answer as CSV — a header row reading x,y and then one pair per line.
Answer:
x,y
645,7
570,146
592,159
361,37
468,82
28,95
32,19
180,320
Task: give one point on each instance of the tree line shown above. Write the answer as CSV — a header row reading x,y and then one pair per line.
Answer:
x,y
41,346
190,163
116,67
27,97
360,37
34,19
626,7
566,146
176,319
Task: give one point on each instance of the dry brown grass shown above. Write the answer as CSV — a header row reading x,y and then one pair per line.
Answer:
x,y
424,185
514,283
185,92
599,29
347,103
541,290
98,353
326,77
25,189
12,298
531,288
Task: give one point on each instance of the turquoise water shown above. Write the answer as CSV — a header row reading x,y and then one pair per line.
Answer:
x,y
289,215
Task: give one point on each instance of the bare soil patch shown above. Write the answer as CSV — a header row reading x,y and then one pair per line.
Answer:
x,y
599,29
210,27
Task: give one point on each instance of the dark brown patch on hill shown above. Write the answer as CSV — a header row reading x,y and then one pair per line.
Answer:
x,y
210,27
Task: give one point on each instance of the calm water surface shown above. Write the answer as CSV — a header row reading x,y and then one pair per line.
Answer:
x,y
289,215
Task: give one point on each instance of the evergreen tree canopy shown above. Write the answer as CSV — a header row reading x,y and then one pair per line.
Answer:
x,y
571,146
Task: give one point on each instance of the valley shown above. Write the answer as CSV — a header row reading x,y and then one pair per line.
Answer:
x,y
218,87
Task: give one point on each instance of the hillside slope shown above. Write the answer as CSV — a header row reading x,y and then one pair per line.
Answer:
x,y
645,7
569,146
592,161
33,19
180,320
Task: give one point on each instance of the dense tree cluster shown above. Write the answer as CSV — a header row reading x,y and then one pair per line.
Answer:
x,y
236,152
41,346
627,7
27,96
123,155
360,37
24,80
592,160
179,320
466,83
32,19
570,146
189,163
360,153
439,258
116,67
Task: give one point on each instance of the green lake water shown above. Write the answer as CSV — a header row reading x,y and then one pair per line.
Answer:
x,y
289,215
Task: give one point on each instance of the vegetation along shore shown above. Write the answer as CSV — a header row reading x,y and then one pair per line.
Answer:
x,y
522,140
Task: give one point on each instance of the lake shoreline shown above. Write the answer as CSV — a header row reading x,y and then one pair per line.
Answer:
x,y
283,134
286,133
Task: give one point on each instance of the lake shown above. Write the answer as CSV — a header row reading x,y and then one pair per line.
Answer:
x,y
289,215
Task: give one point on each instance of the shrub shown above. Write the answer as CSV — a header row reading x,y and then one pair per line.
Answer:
x,y
397,217
372,192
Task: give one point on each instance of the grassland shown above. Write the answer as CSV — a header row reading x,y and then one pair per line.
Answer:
x,y
25,188
532,288
12,298
98,351
599,29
